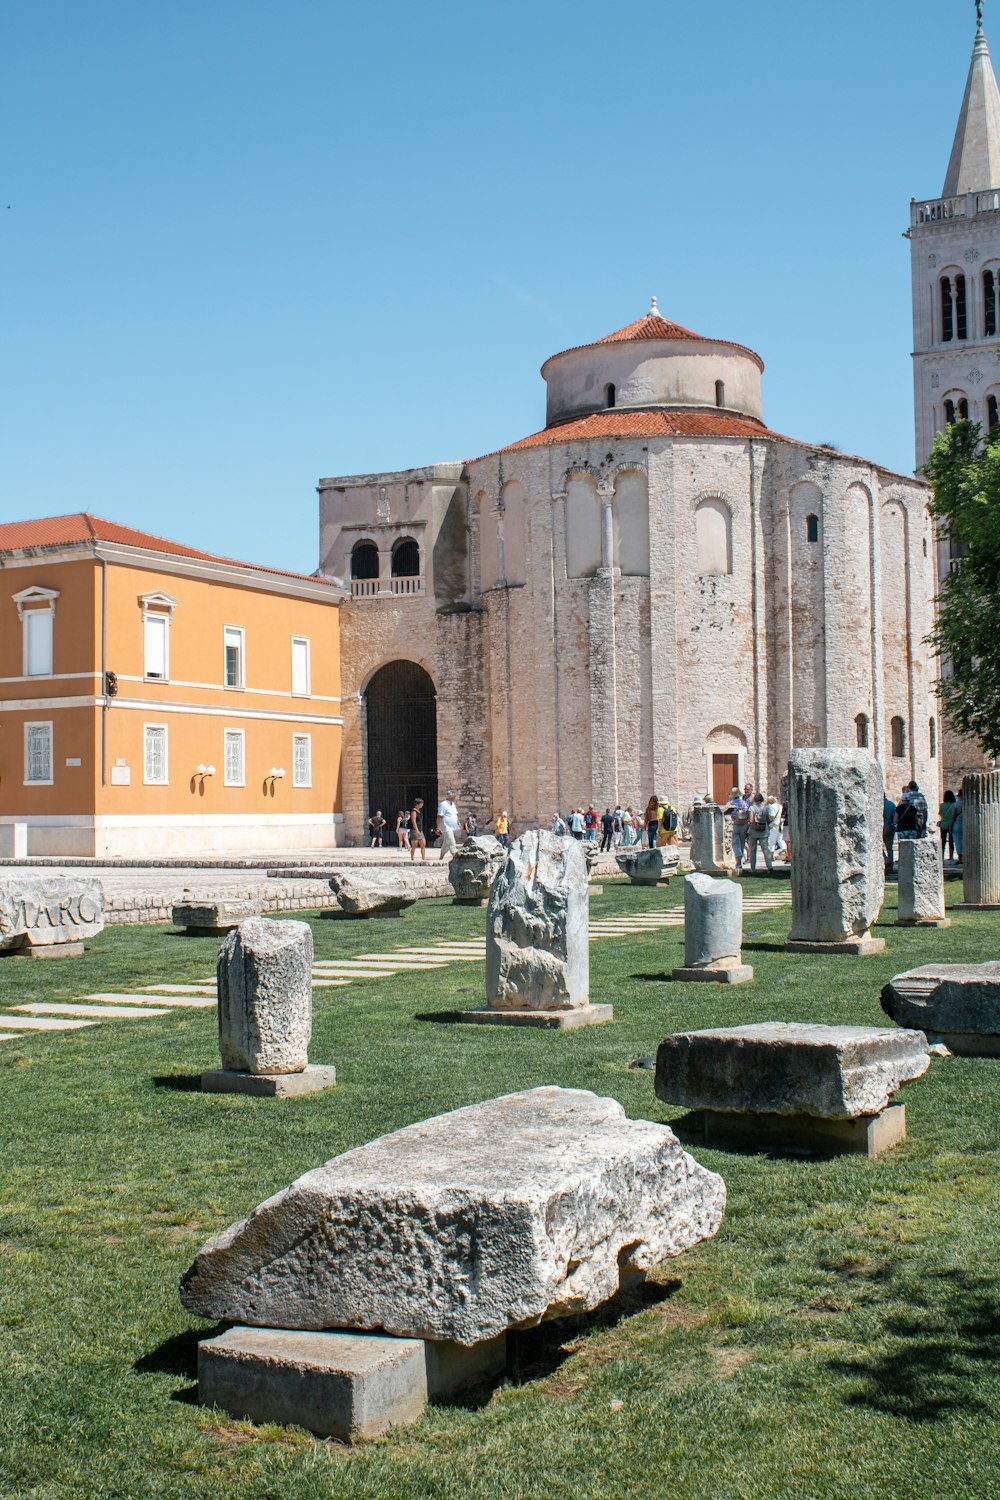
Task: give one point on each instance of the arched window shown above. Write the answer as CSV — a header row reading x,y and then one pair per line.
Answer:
x,y
714,531
947,311
932,735
406,558
992,413
949,413
989,304
720,393
961,320
898,735
963,409
609,395
861,730
364,560
812,528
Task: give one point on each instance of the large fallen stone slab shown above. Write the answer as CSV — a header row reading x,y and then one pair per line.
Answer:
x,y
473,868
492,1217
48,913
359,898
786,1068
838,878
206,918
958,1002
265,997
647,866
538,927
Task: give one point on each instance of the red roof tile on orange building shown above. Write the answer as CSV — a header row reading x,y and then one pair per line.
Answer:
x,y
81,527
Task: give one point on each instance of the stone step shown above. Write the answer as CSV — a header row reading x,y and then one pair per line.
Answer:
x,y
43,1023
51,1008
182,989
174,1002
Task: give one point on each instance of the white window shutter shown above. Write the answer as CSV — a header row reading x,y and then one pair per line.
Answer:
x,y
234,758
38,636
155,646
156,753
302,760
38,752
300,667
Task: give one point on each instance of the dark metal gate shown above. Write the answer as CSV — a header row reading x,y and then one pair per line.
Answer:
x,y
401,711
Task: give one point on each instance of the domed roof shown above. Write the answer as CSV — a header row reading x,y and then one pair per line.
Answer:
x,y
654,326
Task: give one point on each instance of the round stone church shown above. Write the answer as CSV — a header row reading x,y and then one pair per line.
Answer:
x,y
653,594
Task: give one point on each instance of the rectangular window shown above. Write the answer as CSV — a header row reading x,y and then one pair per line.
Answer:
x,y
155,755
301,760
38,643
234,656
38,754
234,759
300,666
154,634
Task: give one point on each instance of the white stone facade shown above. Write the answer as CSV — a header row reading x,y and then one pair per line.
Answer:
x,y
614,606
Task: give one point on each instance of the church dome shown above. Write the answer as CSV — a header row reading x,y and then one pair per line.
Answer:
x,y
652,363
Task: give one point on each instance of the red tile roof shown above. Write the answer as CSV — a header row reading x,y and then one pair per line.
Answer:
x,y
655,326
81,527
655,423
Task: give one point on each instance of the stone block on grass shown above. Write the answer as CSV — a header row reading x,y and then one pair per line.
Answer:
x,y
49,916
265,997
387,899
960,1003
209,918
838,878
921,884
461,1227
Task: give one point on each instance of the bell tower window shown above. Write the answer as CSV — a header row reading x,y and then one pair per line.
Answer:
x,y
947,311
992,413
961,320
720,393
963,410
949,413
989,304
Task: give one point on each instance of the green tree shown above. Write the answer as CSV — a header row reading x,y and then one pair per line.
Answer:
x,y
965,473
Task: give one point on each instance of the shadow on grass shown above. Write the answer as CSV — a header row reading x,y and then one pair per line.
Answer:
x,y
534,1353
760,947
182,1083
938,1349
178,1356
441,1017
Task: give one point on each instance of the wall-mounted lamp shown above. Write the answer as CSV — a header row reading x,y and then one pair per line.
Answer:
x,y
275,773
200,770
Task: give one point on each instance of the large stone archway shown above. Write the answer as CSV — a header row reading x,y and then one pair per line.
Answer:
x,y
401,730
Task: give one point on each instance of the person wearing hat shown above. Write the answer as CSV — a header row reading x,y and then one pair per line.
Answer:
x,y
737,809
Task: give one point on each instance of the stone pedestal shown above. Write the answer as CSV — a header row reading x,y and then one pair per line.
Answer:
x,y
311,1080
538,938
981,840
921,884
806,1135
212,918
348,1386
838,878
713,932
709,852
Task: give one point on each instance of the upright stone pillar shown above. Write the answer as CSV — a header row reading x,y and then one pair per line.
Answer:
x,y
713,931
709,854
981,840
921,884
838,878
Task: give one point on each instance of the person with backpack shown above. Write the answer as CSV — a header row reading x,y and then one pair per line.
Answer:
x,y
757,836
911,813
737,809
669,823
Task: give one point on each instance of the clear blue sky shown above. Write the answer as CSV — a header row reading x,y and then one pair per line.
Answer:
x,y
249,244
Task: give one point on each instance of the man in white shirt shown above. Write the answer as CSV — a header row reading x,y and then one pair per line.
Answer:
x,y
448,825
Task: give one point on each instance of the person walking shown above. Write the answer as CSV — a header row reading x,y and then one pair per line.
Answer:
x,y
590,821
775,842
502,825
471,826
888,830
418,839
956,827
558,825
670,823
576,823
911,813
652,820
946,815
403,829
607,829
376,827
737,809
448,824
757,835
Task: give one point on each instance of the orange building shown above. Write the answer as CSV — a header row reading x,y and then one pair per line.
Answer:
x,y
156,700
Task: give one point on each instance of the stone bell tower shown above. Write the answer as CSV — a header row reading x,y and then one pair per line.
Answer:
x,y
955,260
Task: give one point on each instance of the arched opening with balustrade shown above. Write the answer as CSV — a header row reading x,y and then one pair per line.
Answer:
x,y
401,734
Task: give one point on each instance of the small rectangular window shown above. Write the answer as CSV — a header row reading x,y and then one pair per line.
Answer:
x,y
154,764
38,643
300,666
234,656
38,754
234,759
154,635
301,760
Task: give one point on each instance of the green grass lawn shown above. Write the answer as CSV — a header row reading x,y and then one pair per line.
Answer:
x,y
839,1337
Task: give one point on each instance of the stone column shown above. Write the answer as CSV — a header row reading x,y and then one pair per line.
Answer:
x,y
708,841
713,932
921,884
981,840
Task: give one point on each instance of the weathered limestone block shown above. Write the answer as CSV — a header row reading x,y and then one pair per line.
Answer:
x,y
647,866
537,927
492,1217
838,878
713,931
209,917
49,913
360,899
960,1002
710,854
265,997
981,839
473,868
784,1068
921,884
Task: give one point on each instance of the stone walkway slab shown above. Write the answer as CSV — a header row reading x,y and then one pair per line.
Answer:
x,y
174,1002
51,1008
43,1023
182,989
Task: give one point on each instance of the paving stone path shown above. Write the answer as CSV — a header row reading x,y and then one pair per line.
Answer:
x,y
328,973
